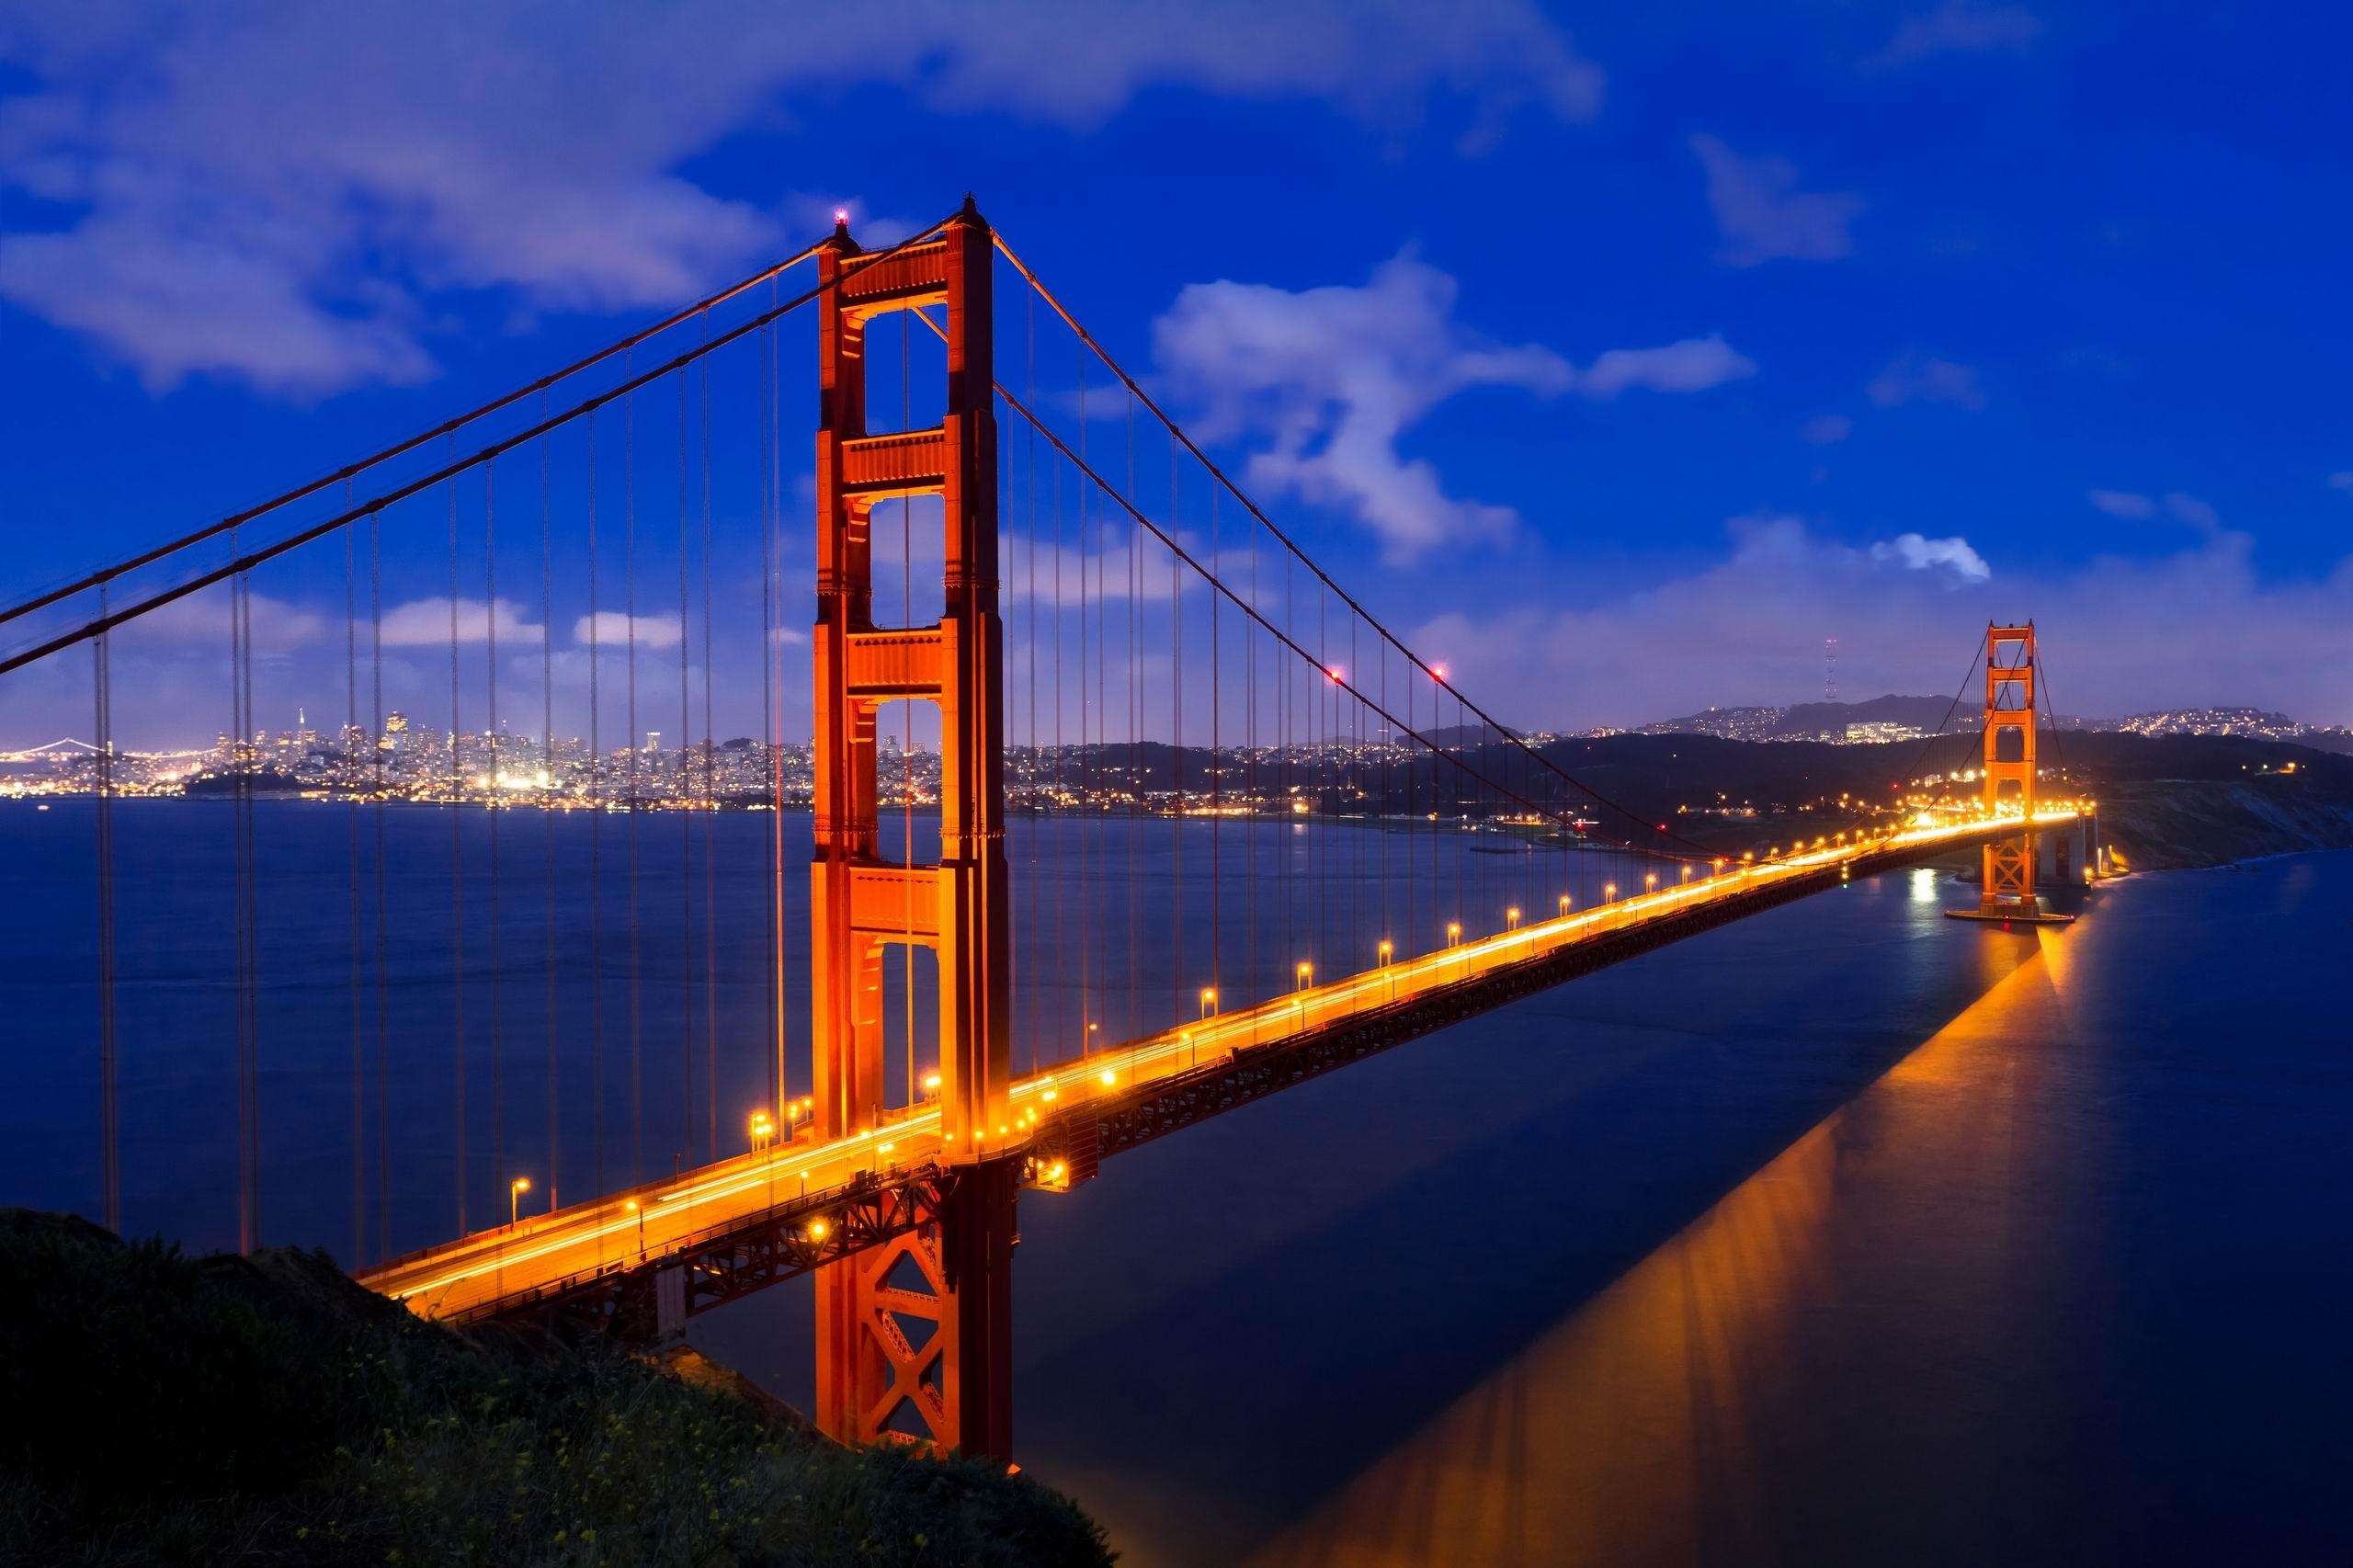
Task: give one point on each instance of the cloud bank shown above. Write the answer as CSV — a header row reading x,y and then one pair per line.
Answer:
x,y
1748,629
1917,379
1959,26
1333,377
272,192
1763,215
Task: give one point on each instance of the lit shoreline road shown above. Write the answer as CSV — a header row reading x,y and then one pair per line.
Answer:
x,y
490,1268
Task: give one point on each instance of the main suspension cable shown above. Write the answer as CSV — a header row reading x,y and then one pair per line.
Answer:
x,y
1236,492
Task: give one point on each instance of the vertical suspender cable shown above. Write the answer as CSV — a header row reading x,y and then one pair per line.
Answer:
x,y
1139,777
1106,774
376,793
1087,997
351,812
547,801
492,771
457,868
1250,751
1008,507
1060,991
629,739
102,697
1030,903
595,836
248,1046
1217,762
771,655
772,961
682,800
710,808
1176,744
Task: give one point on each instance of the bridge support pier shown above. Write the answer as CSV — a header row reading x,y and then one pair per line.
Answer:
x,y
913,1337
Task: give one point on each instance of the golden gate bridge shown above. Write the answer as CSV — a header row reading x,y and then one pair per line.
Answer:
x,y
1084,599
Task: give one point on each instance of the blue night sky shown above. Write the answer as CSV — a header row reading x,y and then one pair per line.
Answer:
x,y
1621,355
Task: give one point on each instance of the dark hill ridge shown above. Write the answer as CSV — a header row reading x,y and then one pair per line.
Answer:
x,y
1808,720
160,1409
2166,801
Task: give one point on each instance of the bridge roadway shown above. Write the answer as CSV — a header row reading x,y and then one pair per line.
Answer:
x,y
763,1216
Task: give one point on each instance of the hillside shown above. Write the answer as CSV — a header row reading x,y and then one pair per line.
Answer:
x,y
155,1409
2165,801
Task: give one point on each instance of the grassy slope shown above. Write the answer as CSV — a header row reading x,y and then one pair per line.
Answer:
x,y
158,1409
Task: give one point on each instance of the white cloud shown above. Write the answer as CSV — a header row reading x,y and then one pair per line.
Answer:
x,y
1762,214
425,623
1748,628
2189,509
1335,375
611,630
202,619
270,191
1919,553
1959,27
1916,379
2133,506
2127,503
1826,429
1696,364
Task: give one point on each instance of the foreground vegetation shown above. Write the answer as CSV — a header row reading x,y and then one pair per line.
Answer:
x,y
155,1408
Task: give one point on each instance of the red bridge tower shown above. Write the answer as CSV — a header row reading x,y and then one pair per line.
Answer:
x,y
950,1385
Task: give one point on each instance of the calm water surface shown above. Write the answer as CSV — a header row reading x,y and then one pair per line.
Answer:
x,y
1848,1234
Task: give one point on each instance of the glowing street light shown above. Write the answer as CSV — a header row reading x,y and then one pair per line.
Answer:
x,y
1208,1000
1511,919
1650,880
1608,892
515,1191
1453,932
1384,954
1564,904
1305,970
763,1130
634,1209
931,1083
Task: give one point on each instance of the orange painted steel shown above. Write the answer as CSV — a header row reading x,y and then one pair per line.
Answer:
x,y
872,1381
2009,767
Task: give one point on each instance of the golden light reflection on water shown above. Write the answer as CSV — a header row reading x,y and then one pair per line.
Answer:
x,y
1642,1429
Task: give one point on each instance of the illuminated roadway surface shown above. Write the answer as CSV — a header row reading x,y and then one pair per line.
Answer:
x,y
489,1268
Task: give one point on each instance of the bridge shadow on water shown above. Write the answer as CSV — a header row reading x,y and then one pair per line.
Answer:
x,y
1421,1225
1843,1235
